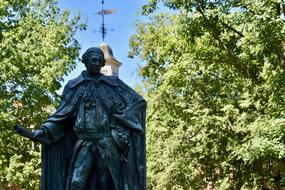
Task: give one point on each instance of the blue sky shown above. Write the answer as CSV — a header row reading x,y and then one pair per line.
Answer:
x,y
123,23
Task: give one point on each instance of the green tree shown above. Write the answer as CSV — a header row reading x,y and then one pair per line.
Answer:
x,y
38,47
214,75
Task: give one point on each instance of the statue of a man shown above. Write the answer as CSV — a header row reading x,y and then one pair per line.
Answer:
x,y
96,136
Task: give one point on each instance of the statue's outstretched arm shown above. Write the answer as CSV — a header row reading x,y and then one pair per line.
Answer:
x,y
39,135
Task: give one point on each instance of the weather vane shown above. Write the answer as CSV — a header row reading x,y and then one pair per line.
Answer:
x,y
104,12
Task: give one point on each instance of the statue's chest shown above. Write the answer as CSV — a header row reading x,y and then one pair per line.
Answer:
x,y
96,106
92,114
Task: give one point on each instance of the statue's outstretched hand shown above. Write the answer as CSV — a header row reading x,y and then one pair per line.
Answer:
x,y
41,135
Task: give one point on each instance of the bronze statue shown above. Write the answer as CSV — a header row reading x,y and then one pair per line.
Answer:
x,y
96,138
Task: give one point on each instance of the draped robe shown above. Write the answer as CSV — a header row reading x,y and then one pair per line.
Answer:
x,y
127,112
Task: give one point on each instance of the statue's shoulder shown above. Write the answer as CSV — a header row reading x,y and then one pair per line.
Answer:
x,y
68,89
110,80
115,81
122,88
74,82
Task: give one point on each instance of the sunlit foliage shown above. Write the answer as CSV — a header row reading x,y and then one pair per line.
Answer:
x,y
214,78
37,48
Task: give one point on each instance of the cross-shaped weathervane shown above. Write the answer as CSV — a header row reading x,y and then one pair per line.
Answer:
x,y
104,12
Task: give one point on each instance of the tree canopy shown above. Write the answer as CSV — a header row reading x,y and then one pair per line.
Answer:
x,y
38,47
214,78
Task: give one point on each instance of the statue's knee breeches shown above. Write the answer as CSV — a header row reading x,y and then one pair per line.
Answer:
x,y
82,168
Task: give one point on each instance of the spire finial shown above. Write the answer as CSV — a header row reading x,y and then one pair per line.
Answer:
x,y
104,12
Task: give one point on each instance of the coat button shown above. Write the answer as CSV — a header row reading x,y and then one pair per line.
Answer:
x,y
87,105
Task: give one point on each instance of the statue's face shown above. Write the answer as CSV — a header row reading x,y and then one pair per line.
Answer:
x,y
94,63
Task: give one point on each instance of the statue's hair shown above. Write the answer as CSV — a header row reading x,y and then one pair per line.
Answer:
x,y
95,50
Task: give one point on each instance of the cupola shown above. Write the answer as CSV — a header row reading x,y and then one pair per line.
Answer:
x,y
112,65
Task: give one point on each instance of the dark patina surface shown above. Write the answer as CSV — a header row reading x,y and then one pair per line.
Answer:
x,y
96,138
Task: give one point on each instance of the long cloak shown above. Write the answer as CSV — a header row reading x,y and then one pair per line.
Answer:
x,y
57,157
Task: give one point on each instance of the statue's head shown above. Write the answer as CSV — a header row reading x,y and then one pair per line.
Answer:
x,y
94,60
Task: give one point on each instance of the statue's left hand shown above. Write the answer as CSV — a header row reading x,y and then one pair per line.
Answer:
x,y
121,139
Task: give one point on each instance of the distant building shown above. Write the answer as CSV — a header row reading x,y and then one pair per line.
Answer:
x,y
112,65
